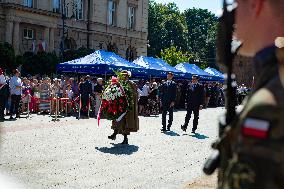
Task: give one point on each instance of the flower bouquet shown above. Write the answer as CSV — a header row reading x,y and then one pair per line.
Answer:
x,y
114,101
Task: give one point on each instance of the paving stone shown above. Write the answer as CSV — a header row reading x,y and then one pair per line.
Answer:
x,y
76,154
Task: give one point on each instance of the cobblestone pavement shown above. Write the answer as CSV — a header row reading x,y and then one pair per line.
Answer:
x,y
76,154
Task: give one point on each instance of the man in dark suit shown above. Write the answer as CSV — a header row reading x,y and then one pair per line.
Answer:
x,y
168,97
85,91
195,97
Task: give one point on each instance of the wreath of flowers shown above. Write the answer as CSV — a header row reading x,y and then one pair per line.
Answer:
x,y
117,98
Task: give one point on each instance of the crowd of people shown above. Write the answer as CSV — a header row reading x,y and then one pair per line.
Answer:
x,y
70,96
149,101
43,95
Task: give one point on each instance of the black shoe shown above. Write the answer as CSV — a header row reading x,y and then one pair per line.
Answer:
x,y
112,137
2,119
193,131
183,128
18,116
168,128
11,118
163,130
125,141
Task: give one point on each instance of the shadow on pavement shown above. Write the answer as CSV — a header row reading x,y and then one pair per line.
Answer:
x,y
119,149
172,133
199,136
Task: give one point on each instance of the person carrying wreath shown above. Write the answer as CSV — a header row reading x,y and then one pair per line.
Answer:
x,y
130,121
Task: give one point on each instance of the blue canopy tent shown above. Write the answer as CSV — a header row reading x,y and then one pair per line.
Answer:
x,y
192,69
215,72
101,63
159,66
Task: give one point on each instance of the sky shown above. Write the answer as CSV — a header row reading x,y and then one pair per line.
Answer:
x,y
212,5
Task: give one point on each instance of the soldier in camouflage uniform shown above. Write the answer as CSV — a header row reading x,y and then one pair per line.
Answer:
x,y
255,141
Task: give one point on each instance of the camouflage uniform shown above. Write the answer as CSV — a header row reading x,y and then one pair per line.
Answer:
x,y
256,138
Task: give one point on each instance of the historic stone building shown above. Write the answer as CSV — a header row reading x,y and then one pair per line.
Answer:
x,y
243,69
37,25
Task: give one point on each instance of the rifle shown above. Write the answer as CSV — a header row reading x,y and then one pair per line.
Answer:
x,y
225,56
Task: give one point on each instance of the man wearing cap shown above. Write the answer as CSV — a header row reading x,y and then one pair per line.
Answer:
x,y
167,95
195,97
130,122
3,94
16,93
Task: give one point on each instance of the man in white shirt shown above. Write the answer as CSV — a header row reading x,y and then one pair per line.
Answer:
x,y
16,93
143,100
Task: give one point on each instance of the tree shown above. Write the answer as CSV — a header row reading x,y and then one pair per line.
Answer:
x,y
41,63
74,54
202,31
7,57
173,56
193,30
167,27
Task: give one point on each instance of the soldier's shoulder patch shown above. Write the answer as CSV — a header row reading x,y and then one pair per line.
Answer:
x,y
256,128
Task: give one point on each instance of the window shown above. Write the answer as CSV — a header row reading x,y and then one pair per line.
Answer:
x,y
131,17
28,33
28,3
65,11
111,12
56,6
79,9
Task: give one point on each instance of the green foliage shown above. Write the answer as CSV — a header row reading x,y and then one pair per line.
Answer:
x,y
193,30
166,27
202,31
40,63
7,57
173,56
74,54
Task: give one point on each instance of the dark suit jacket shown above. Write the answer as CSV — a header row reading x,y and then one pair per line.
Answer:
x,y
86,89
167,93
195,96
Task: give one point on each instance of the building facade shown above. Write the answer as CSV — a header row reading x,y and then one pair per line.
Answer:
x,y
53,25
243,69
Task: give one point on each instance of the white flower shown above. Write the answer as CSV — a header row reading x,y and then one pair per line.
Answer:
x,y
113,97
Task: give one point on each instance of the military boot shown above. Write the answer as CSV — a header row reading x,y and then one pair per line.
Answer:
x,y
125,140
113,136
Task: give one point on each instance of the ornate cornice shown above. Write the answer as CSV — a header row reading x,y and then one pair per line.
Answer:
x,y
30,10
